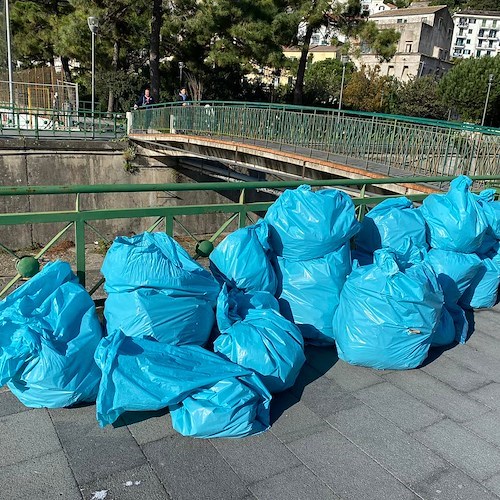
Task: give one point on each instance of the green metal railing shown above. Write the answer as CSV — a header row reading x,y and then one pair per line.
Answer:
x,y
49,123
397,145
167,217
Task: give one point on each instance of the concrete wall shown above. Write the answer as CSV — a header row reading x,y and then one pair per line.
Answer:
x,y
30,163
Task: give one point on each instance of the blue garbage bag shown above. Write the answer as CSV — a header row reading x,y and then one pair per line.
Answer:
x,y
483,290
156,290
222,399
491,210
49,331
243,261
445,332
391,224
308,224
455,221
386,317
256,336
309,292
455,271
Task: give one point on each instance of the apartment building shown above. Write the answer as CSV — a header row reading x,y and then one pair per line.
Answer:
x,y
424,45
476,34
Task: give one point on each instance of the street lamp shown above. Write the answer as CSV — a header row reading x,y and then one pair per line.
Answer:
x,y
9,58
490,81
93,23
344,60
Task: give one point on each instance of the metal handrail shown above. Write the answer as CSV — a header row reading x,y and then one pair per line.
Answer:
x,y
80,219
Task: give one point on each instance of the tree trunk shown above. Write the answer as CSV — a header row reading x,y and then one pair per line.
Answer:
x,y
114,65
298,92
154,50
66,70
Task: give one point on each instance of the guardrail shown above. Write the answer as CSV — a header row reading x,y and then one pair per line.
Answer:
x,y
64,122
80,220
416,146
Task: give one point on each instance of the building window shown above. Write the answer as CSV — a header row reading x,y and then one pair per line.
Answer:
x,y
408,47
470,31
468,41
481,33
399,21
461,32
488,52
424,19
494,24
381,7
478,53
490,44
467,52
404,72
390,71
483,23
440,23
493,33
472,21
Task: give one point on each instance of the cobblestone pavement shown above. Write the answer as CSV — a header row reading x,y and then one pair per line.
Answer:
x,y
340,432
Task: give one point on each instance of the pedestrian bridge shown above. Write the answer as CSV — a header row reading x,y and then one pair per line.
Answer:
x,y
316,143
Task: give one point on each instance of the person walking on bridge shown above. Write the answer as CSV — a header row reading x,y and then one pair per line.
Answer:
x,y
145,101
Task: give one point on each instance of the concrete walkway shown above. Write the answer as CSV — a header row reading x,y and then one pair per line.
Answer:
x,y
341,432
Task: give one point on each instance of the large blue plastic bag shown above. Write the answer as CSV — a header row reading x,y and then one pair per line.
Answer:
x,y
49,331
242,260
389,225
491,210
309,292
142,374
483,291
386,317
156,290
455,271
154,260
455,221
308,224
256,336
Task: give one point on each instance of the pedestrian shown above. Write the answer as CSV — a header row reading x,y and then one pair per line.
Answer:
x,y
146,99
183,96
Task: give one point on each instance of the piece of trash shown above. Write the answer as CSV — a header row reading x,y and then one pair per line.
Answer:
x,y
131,483
99,495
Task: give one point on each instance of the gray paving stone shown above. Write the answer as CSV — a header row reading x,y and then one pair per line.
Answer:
x,y
458,376
149,427
348,471
292,419
42,478
321,358
485,341
480,362
94,452
487,426
488,395
399,407
494,484
395,450
192,468
26,435
453,485
322,395
256,457
9,404
133,484
466,451
352,378
299,484
440,396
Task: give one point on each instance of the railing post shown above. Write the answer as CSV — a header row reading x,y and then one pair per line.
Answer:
x,y
242,217
80,243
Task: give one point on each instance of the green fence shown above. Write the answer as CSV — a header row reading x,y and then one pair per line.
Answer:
x,y
79,221
64,122
400,145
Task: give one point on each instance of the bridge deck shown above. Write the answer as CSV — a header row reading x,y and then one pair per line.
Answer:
x,y
341,432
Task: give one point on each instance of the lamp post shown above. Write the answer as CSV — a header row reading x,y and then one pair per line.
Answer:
x,y
93,23
490,81
9,59
344,60
181,67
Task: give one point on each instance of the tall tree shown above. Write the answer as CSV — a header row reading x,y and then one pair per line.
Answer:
x,y
420,97
154,49
465,86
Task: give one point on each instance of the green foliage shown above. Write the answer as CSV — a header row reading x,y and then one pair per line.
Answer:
x,y
384,42
420,97
368,91
464,88
322,82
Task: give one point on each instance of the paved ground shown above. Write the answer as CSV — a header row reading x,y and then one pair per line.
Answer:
x,y
341,432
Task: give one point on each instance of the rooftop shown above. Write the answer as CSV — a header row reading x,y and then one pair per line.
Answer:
x,y
341,432
415,11
477,13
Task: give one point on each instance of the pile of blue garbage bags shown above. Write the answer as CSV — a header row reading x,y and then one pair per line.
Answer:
x,y
213,346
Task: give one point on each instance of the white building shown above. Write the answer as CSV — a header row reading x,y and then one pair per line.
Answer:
x,y
476,34
424,45
375,6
